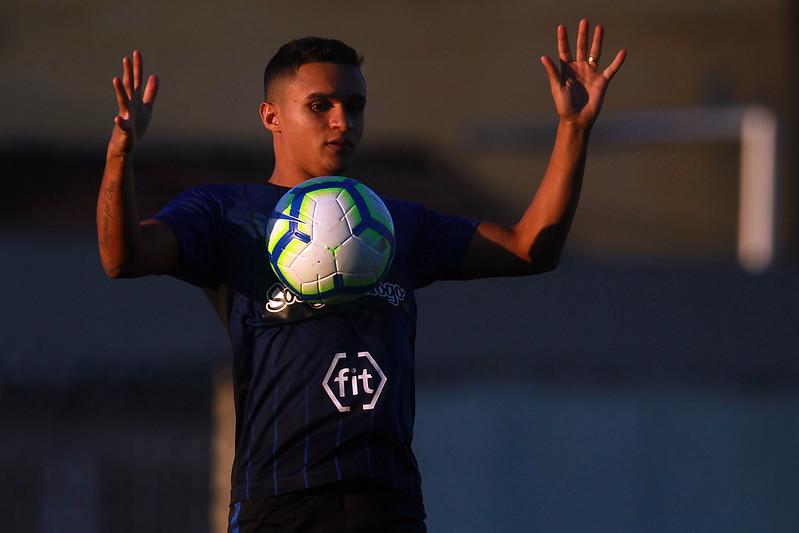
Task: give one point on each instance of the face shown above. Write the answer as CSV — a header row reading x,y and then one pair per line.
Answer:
x,y
317,120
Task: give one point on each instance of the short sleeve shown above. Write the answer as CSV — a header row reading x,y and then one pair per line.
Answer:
x,y
435,244
195,217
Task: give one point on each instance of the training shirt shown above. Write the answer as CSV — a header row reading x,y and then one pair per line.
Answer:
x,y
322,392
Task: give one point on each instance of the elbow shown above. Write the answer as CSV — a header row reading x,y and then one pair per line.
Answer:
x,y
545,251
116,272
543,265
118,269
545,258
112,273
119,262
112,266
548,267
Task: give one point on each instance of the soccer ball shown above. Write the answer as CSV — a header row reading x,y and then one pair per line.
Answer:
x,y
330,239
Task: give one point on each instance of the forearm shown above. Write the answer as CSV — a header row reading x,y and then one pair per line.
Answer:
x,y
535,243
545,225
539,236
118,229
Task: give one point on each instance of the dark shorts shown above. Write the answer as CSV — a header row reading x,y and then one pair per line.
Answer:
x,y
345,507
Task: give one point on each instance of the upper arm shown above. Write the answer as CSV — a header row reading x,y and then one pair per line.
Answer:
x,y
498,250
161,243
159,252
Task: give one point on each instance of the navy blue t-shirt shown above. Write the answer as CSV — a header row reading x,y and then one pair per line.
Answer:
x,y
322,392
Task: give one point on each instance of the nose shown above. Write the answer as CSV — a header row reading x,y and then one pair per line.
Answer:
x,y
340,119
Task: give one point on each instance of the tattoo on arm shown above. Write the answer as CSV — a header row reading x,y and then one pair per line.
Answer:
x,y
108,194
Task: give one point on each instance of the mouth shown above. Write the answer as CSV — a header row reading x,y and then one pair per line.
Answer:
x,y
341,144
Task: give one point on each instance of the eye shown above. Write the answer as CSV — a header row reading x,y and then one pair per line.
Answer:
x,y
320,106
356,107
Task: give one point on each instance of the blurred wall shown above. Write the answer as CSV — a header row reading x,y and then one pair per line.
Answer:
x,y
434,69
662,394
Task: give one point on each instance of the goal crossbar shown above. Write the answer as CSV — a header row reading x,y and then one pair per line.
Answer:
x,y
754,127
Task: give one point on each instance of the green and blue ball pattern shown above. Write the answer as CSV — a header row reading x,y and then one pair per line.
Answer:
x,y
330,239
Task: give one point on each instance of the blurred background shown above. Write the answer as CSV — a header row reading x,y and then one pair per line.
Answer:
x,y
649,384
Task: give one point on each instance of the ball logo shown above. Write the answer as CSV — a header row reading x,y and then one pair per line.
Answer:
x,y
352,382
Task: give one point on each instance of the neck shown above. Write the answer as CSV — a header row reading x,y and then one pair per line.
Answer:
x,y
287,179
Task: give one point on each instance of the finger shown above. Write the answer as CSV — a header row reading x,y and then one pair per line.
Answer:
x,y
596,46
564,52
138,67
122,96
614,67
127,76
582,41
553,74
151,90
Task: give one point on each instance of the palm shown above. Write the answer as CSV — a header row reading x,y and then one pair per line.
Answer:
x,y
580,92
578,86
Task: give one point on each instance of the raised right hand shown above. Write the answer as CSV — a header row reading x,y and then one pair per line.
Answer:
x,y
135,106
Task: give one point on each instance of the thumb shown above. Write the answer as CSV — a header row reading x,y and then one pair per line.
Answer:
x,y
122,123
553,73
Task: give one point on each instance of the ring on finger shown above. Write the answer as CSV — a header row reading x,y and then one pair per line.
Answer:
x,y
593,60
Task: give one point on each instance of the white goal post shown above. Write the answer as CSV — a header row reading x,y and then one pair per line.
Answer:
x,y
753,126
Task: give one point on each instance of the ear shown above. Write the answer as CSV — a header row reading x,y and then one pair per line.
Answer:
x,y
269,116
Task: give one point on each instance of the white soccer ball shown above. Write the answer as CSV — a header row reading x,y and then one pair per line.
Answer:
x,y
330,239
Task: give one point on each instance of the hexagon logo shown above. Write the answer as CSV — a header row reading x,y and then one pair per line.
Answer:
x,y
351,382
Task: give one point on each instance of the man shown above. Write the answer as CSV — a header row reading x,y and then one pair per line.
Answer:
x,y
305,461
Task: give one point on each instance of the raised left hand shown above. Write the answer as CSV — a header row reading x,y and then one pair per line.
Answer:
x,y
578,86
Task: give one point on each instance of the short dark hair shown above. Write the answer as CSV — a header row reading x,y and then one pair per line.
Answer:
x,y
298,52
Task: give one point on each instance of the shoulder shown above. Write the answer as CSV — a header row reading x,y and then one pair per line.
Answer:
x,y
413,216
221,198
405,212
233,191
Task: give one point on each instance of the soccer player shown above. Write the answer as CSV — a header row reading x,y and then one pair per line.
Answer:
x,y
324,394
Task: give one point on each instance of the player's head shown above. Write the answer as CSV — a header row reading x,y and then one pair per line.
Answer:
x,y
314,108
294,54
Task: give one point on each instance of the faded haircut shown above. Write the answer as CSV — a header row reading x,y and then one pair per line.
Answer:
x,y
292,55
